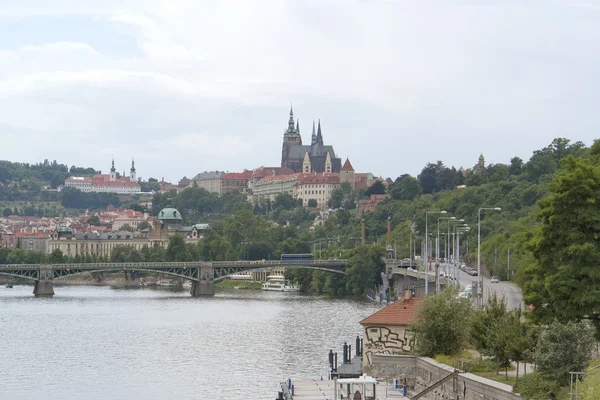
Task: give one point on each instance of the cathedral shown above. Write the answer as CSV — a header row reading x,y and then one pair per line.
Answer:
x,y
306,159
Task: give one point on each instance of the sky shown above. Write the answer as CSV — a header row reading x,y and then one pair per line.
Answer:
x,y
186,86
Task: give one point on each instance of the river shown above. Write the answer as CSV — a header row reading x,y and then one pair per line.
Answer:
x,y
104,343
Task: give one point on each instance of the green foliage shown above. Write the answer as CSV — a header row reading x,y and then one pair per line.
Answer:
x,y
94,220
405,187
589,389
563,281
441,324
364,269
312,203
177,250
563,348
535,386
71,197
143,225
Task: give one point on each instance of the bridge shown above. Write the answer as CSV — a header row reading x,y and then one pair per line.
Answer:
x,y
203,274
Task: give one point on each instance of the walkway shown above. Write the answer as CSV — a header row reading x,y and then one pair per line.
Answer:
x,y
324,390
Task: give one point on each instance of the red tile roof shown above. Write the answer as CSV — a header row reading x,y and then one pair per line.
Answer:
x,y
400,312
262,172
279,177
347,166
246,175
331,178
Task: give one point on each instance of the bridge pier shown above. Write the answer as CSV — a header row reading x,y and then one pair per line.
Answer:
x,y
204,287
45,285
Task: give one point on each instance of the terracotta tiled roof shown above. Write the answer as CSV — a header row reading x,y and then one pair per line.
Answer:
x,y
331,178
246,175
347,166
262,172
400,312
279,177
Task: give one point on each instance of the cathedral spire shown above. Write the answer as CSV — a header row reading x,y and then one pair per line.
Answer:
x,y
298,126
314,135
319,134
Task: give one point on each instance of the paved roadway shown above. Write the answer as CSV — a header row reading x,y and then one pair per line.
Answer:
x,y
506,290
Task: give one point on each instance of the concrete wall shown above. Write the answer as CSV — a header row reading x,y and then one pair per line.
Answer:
x,y
422,372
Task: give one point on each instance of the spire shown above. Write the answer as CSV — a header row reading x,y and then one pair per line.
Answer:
x,y
306,167
298,125
112,169
314,135
319,134
132,165
292,130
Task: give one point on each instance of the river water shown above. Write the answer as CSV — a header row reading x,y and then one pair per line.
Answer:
x,y
104,343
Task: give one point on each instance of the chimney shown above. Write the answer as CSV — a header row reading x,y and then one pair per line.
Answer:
x,y
407,294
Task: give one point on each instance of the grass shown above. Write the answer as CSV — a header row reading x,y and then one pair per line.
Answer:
x,y
231,284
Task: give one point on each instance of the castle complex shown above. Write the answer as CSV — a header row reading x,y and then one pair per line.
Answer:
x,y
107,182
306,159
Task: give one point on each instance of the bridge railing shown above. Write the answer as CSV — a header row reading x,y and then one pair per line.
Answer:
x,y
190,264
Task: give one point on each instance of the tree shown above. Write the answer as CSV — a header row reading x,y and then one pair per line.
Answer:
x,y
143,225
94,220
312,203
516,166
376,188
56,257
428,177
364,269
127,228
563,280
441,323
564,348
336,198
406,187
176,250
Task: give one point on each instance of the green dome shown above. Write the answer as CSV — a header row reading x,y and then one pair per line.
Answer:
x,y
169,214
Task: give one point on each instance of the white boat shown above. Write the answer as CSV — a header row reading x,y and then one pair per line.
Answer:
x,y
277,283
164,282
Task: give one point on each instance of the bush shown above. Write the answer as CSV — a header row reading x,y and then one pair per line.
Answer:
x,y
534,386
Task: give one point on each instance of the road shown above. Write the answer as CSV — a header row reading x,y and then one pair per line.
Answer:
x,y
504,290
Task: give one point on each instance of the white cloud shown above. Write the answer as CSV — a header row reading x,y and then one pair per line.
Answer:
x,y
406,82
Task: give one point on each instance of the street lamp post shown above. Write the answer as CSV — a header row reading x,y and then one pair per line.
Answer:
x,y
455,252
479,279
437,253
464,229
427,249
448,245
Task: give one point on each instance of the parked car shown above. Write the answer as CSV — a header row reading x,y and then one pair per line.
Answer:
x,y
333,259
468,288
495,279
464,295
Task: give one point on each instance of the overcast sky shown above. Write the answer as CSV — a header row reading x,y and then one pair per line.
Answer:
x,y
186,86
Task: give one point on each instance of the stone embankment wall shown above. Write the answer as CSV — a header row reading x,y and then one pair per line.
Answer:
x,y
422,372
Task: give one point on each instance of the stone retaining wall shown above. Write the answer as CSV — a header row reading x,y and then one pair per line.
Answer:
x,y
422,372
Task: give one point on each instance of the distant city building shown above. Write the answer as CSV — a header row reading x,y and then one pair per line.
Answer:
x,y
316,187
369,205
211,181
272,186
304,158
108,183
236,181
168,223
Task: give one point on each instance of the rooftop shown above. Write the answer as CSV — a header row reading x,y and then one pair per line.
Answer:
x,y
399,313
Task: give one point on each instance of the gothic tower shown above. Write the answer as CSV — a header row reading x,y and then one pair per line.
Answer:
x,y
290,137
328,165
